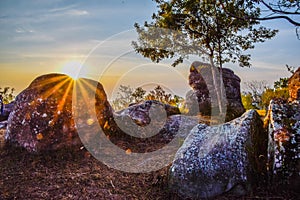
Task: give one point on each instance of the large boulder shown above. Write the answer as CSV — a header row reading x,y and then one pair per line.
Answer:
x,y
144,119
42,118
294,85
142,112
200,79
284,143
217,159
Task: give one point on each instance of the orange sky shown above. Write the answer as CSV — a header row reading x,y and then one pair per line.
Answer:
x,y
40,37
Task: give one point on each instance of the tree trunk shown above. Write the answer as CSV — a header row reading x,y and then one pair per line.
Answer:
x,y
216,85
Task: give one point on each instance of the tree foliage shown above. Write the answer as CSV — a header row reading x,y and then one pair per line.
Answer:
x,y
127,95
204,28
7,94
259,94
270,94
256,89
272,10
281,83
124,97
247,101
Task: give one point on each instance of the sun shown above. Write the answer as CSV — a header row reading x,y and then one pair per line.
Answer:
x,y
73,69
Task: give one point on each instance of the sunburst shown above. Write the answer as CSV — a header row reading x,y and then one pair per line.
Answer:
x,y
73,69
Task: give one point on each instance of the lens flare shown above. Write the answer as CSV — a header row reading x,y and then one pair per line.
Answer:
x,y
73,69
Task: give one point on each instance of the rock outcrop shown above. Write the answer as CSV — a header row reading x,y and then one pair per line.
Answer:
x,y
42,118
200,79
142,112
145,119
284,143
294,85
7,109
217,159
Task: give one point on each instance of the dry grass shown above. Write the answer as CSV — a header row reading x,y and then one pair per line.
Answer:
x,y
262,113
77,175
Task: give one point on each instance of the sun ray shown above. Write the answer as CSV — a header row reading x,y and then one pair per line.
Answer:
x,y
73,69
83,92
55,78
49,92
62,101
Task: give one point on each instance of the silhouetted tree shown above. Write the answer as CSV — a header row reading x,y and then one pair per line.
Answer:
x,y
270,10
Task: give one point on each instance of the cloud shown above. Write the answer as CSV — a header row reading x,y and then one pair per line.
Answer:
x,y
24,30
75,12
68,10
60,9
34,38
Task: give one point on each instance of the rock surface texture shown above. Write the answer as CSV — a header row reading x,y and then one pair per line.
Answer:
x,y
200,79
294,86
145,119
217,159
42,117
284,143
7,109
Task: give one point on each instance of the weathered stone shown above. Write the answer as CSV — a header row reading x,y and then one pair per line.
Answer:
x,y
42,117
179,125
200,79
147,119
294,85
3,124
284,143
7,109
217,159
141,112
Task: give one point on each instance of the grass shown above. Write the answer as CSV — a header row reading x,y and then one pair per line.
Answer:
x,y
262,113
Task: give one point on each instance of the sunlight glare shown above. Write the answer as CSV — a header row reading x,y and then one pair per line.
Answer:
x,y
73,69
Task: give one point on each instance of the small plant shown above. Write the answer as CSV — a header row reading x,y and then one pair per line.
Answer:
x,y
7,94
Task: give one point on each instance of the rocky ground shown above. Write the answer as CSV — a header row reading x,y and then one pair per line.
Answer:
x,y
77,175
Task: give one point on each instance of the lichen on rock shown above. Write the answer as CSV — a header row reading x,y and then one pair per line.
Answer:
x,y
217,159
204,91
284,143
42,118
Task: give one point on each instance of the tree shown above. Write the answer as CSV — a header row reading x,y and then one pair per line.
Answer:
x,y
182,28
138,94
247,101
124,97
159,94
281,83
256,89
270,94
7,94
272,10
127,95
291,69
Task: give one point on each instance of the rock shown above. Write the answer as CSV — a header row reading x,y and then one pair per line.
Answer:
x,y
7,109
284,143
179,125
200,79
140,113
145,119
3,124
294,86
217,159
42,117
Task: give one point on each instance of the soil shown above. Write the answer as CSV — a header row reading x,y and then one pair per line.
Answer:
x,y
76,174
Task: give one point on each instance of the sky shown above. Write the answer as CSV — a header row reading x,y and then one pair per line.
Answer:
x,y
40,37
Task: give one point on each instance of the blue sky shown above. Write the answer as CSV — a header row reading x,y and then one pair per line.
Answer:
x,y
38,37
